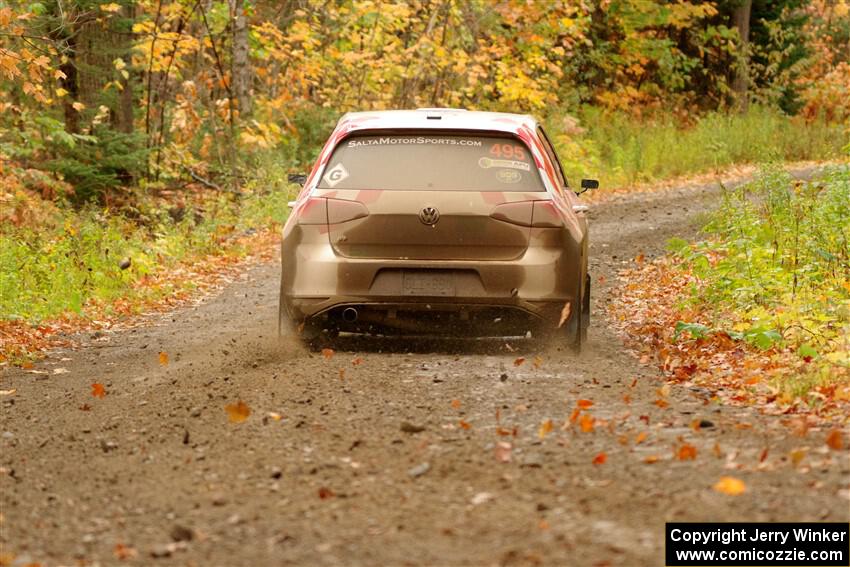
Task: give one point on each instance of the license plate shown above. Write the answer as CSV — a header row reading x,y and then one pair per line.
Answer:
x,y
425,283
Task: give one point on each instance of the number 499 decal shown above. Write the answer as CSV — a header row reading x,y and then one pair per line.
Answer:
x,y
508,151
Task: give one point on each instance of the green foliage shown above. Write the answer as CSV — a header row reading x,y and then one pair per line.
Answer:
x,y
65,264
100,163
777,268
620,149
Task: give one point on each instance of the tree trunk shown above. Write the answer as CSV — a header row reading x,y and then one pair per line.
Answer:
x,y
740,84
240,67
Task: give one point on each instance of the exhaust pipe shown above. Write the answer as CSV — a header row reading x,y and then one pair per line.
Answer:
x,y
349,315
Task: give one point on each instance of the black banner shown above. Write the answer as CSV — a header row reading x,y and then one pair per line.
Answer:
x,y
740,544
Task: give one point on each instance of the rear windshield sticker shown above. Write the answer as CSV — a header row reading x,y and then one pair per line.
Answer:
x,y
508,151
486,162
336,174
413,141
509,176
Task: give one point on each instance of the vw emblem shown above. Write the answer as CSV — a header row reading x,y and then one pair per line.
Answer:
x,y
429,216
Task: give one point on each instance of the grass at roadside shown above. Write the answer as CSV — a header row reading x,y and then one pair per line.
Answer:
x,y
622,150
759,311
61,267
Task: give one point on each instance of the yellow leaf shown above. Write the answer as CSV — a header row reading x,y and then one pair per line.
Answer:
x,y
78,106
238,412
110,8
163,358
545,428
730,485
61,92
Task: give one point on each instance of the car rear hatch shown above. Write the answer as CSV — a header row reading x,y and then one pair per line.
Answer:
x,y
430,197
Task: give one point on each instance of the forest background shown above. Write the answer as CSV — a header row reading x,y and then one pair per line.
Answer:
x,y
139,137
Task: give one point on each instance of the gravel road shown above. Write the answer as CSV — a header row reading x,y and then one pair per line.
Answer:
x,y
389,452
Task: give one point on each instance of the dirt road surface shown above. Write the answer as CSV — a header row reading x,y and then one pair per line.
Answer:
x,y
154,473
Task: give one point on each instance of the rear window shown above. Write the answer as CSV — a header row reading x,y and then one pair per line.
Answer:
x,y
433,162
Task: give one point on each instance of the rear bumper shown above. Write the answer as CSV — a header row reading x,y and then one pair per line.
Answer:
x,y
317,282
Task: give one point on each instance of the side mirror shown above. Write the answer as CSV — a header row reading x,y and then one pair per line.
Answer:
x,y
587,184
299,178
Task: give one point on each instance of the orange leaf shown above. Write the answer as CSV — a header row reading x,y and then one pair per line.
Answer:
x,y
545,428
518,361
641,437
238,412
627,399
97,390
574,415
503,432
325,493
328,353
600,458
686,452
123,552
163,358
652,459
456,404
586,422
640,258
661,403
357,361
730,485
464,425
834,440
584,404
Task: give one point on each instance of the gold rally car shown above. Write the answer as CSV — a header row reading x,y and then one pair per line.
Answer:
x,y
436,221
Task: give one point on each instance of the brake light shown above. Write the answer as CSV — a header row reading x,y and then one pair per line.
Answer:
x,y
340,210
313,211
539,214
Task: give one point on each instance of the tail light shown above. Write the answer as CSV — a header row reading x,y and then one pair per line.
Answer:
x,y
313,211
321,210
340,210
540,214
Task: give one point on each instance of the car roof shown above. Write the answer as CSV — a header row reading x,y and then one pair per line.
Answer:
x,y
436,119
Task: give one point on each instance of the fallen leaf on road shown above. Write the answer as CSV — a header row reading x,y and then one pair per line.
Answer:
x,y
275,416
763,455
503,452
163,358
543,525
238,412
538,362
797,456
464,425
456,404
123,552
627,399
574,415
565,314
97,390
325,493
730,485
328,353
586,423
584,404
686,452
660,402
600,459
834,440
85,407
8,392
641,437
27,365
518,361
545,428
652,459
481,498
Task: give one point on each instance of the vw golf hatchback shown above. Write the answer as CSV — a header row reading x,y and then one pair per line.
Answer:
x,y
436,221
